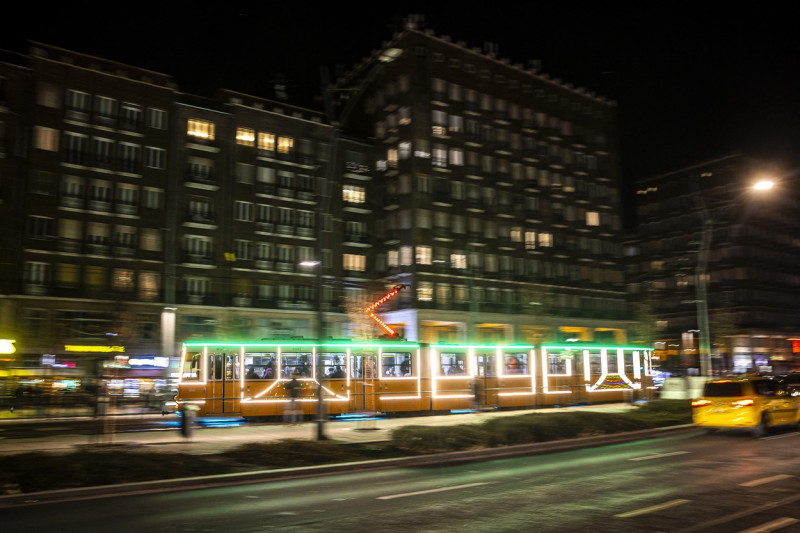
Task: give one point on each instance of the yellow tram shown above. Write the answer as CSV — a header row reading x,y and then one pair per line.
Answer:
x,y
249,379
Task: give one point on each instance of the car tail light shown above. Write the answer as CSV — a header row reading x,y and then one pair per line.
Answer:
x,y
747,402
700,403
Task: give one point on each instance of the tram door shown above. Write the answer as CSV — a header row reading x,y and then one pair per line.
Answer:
x,y
364,381
223,378
487,378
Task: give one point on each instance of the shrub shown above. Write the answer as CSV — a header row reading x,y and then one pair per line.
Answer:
x,y
431,439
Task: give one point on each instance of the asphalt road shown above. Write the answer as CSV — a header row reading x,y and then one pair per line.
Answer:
x,y
688,481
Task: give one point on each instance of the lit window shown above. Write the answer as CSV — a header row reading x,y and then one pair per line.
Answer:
x,y
122,279
148,286
439,156
424,255
353,194
458,260
405,255
545,239
393,258
391,157
530,240
46,139
592,218
245,137
425,291
266,141
285,145
516,234
354,262
150,239
201,129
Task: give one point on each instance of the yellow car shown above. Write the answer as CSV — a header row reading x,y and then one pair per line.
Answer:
x,y
753,403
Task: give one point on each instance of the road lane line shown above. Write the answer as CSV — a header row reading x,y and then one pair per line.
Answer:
x,y
765,480
430,491
656,456
772,526
741,514
652,508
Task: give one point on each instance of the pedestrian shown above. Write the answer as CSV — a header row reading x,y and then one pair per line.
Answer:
x,y
293,389
475,385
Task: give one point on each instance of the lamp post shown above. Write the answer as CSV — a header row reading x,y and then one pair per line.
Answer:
x,y
324,201
701,272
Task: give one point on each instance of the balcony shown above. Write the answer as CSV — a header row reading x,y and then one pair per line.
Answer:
x,y
355,238
242,301
264,264
35,289
284,266
202,175
76,157
199,217
97,248
76,202
265,226
70,245
99,205
131,125
442,233
124,250
104,119
197,259
303,231
127,209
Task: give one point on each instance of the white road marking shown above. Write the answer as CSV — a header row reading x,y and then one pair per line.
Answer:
x,y
764,480
772,526
430,491
656,456
652,508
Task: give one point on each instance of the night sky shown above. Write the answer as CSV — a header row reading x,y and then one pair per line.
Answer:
x,y
691,84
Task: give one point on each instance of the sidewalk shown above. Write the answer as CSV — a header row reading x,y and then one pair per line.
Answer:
x,y
211,440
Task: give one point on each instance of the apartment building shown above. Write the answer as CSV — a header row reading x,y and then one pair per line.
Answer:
x,y
751,279
499,195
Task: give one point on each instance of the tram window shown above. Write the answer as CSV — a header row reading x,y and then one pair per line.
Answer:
x,y
217,366
296,364
191,367
259,366
629,363
333,365
516,363
612,365
231,367
557,363
595,365
487,365
453,364
356,369
396,364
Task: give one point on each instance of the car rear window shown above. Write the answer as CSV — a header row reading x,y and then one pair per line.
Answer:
x,y
723,389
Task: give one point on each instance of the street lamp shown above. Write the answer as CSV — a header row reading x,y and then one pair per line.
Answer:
x,y
323,204
701,275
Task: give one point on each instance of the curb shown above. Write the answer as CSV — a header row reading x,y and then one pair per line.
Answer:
x,y
246,478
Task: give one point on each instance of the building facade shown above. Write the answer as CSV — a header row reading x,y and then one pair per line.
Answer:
x,y
751,275
137,216
500,207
